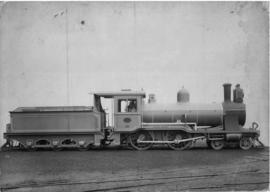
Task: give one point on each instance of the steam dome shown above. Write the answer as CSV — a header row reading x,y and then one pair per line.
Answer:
x,y
183,96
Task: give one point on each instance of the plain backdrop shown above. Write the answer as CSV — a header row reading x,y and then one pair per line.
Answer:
x,y
56,53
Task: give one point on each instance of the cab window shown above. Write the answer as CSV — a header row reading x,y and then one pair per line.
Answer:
x,y
127,105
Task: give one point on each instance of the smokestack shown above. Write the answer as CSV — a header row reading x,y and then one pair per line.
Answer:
x,y
227,92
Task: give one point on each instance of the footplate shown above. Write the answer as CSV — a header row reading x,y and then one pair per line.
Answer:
x,y
174,141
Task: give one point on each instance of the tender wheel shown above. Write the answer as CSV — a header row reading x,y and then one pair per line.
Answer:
x,y
31,149
245,143
57,148
217,144
173,135
21,146
7,146
140,136
84,148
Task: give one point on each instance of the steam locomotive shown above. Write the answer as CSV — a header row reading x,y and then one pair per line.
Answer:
x,y
135,123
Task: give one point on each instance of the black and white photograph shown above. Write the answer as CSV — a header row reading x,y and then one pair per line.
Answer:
x,y
134,96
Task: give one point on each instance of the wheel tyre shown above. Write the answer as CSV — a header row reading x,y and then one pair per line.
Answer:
x,y
217,144
142,135
245,143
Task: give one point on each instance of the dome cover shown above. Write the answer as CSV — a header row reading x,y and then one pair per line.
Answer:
x,y
183,96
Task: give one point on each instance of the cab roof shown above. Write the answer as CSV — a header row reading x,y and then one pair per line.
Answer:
x,y
53,109
127,92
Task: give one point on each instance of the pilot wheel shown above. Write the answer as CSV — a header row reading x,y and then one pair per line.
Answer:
x,y
245,143
138,137
217,144
177,137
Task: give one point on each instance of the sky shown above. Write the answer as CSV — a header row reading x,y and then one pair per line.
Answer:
x,y
56,53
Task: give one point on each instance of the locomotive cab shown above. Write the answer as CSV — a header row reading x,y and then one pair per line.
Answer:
x,y
126,111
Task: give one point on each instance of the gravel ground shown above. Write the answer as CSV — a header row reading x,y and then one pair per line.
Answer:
x,y
197,169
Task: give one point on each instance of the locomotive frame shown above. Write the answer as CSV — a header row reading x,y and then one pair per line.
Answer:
x,y
33,128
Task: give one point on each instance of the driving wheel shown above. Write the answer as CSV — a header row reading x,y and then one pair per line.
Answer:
x,y
134,140
178,136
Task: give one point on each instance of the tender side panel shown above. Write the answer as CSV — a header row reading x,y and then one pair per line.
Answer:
x,y
71,139
55,122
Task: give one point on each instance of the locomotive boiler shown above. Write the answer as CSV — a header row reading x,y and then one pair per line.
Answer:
x,y
202,114
134,123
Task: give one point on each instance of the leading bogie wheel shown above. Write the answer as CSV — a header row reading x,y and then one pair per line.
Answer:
x,y
178,136
135,138
217,144
245,143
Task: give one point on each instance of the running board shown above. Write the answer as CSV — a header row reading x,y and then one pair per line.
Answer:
x,y
175,141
